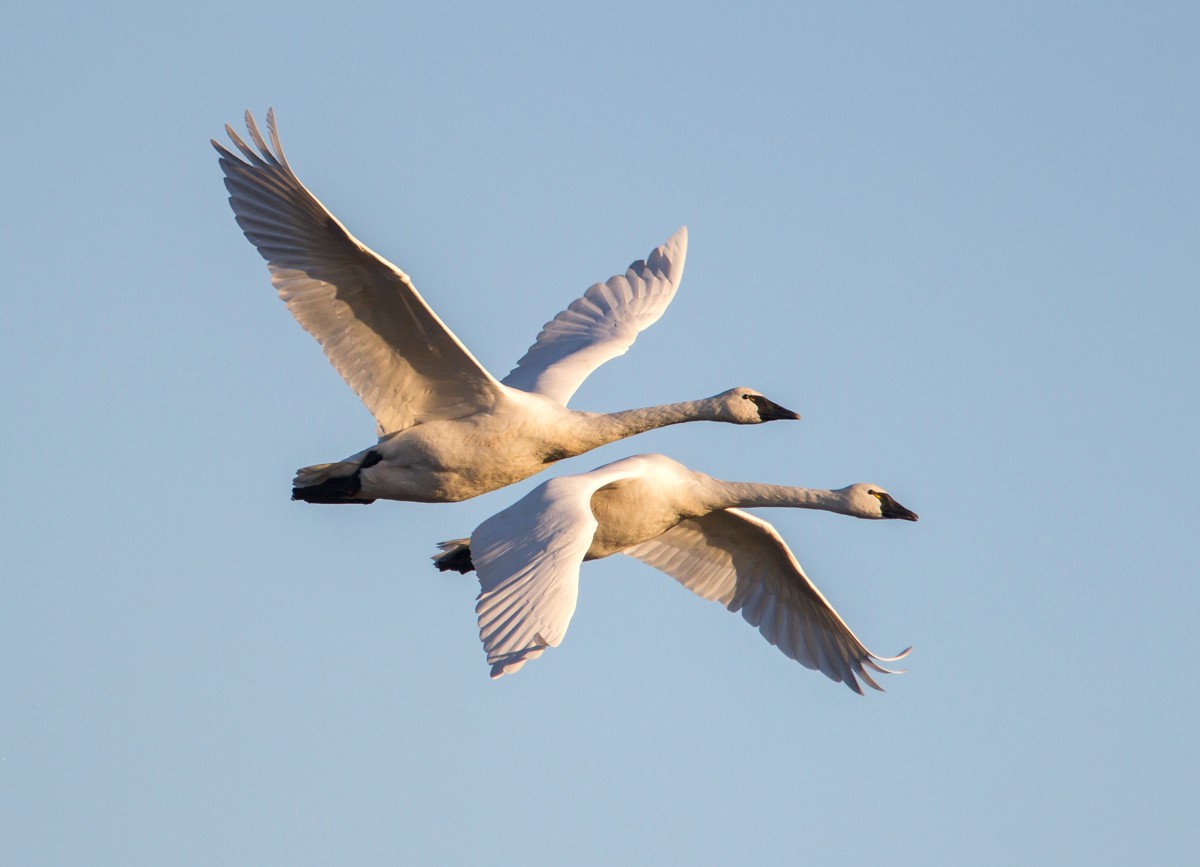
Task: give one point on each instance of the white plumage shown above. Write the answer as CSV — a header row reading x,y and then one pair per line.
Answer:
x,y
448,429
679,521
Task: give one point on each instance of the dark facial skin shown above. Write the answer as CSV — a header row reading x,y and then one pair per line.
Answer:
x,y
891,509
769,410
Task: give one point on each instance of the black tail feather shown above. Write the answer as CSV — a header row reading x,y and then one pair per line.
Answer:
x,y
343,489
456,560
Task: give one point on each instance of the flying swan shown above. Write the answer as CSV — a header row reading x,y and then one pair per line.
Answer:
x,y
679,521
448,430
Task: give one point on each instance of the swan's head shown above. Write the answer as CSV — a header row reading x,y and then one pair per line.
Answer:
x,y
872,501
747,406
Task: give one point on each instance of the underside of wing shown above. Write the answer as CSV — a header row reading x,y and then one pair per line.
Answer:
x,y
390,347
602,324
527,558
740,561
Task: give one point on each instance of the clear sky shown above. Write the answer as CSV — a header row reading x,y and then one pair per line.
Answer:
x,y
959,238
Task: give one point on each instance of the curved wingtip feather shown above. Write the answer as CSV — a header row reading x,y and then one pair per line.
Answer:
x,y
905,652
511,663
873,661
866,678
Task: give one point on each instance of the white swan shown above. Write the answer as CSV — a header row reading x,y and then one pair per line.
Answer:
x,y
448,429
676,520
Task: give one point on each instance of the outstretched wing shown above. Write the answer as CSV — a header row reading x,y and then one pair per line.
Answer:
x,y
527,558
602,324
741,561
382,337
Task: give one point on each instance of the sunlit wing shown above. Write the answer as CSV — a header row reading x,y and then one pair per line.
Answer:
x,y
527,559
740,561
602,324
378,332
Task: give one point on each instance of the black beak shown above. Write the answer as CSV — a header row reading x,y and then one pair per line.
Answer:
x,y
891,509
770,411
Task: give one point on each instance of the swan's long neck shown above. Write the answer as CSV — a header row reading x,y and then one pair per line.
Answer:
x,y
749,495
600,429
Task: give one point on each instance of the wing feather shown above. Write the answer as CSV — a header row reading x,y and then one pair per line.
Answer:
x,y
392,349
527,558
602,324
740,561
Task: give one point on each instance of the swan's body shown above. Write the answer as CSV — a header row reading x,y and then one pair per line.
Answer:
x,y
448,429
679,521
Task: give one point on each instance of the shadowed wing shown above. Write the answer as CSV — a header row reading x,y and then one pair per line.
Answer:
x,y
527,559
741,561
602,324
377,331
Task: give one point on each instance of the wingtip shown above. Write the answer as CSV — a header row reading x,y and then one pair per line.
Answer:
x,y
905,652
679,239
502,668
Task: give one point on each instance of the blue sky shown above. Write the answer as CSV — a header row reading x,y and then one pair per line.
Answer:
x,y
959,240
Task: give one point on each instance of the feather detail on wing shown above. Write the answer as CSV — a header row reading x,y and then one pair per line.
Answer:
x,y
740,561
601,325
527,558
401,360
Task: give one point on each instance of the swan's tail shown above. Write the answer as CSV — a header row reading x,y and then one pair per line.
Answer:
x,y
455,556
332,483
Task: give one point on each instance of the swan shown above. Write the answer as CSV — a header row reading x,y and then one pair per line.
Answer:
x,y
679,521
448,430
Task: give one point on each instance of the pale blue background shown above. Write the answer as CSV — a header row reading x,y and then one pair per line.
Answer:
x,y
960,239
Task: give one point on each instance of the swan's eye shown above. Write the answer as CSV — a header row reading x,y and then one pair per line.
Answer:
x,y
747,397
876,495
